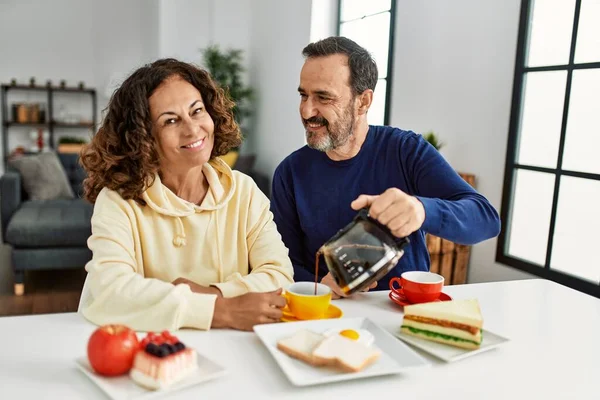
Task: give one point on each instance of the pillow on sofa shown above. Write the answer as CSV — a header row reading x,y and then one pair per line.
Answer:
x,y
44,177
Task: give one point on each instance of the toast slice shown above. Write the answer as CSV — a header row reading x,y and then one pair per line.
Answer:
x,y
335,351
346,354
301,346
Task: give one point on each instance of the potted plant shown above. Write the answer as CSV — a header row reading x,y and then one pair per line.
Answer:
x,y
70,144
433,140
226,68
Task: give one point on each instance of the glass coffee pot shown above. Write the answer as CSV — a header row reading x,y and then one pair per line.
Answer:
x,y
362,252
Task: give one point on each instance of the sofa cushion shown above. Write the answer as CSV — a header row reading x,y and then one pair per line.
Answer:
x,y
51,223
44,177
75,172
50,258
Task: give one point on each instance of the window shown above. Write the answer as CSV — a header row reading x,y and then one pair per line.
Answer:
x,y
551,199
371,25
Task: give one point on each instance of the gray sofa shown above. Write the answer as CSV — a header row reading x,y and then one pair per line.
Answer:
x,y
53,234
48,234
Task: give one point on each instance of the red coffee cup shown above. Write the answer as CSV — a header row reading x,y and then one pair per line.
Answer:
x,y
418,286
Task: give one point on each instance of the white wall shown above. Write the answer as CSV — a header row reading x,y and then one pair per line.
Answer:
x,y
76,40
186,26
34,45
454,64
40,39
232,24
101,42
453,73
280,30
324,18
125,36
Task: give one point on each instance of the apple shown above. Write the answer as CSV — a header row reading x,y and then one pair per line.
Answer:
x,y
111,349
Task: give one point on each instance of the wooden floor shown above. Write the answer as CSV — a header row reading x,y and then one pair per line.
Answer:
x,y
45,292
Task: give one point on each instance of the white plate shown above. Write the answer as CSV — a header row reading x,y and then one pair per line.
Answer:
x,y
450,353
122,387
395,355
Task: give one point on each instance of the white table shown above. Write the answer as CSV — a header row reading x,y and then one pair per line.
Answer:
x,y
554,352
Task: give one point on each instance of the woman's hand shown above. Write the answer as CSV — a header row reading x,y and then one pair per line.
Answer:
x,y
198,288
245,311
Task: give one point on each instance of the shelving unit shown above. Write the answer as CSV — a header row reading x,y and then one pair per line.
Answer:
x,y
50,124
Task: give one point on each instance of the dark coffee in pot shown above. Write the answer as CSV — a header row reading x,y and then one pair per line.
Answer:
x,y
361,253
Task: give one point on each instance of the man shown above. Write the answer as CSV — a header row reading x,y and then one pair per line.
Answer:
x,y
348,164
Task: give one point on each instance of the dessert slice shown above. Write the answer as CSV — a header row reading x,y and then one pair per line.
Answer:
x,y
162,361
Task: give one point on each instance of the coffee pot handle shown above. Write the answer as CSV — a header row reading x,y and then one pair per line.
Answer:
x,y
363,213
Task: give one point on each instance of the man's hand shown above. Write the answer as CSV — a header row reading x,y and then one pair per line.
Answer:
x,y
198,288
401,213
245,311
336,291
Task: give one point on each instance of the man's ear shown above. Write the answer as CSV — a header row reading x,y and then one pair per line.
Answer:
x,y
365,99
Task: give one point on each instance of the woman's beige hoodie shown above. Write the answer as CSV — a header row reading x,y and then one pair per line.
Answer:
x,y
229,241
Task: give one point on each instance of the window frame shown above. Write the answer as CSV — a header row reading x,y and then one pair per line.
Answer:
x,y
511,165
390,66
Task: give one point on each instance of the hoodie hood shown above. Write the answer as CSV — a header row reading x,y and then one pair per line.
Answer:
x,y
221,187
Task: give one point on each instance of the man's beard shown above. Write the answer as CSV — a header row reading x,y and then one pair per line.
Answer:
x,y
337,134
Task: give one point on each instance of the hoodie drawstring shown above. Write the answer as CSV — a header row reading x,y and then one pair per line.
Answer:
x,y
179,240
220,262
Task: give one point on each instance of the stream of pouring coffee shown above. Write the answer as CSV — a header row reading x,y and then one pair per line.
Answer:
x,y
317,270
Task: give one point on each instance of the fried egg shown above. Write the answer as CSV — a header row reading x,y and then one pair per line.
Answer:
x,y
360,335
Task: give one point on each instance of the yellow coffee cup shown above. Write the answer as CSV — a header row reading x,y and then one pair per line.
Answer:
x,y
304,304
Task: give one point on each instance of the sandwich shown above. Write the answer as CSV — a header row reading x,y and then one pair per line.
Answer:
x,y
456,323
335,351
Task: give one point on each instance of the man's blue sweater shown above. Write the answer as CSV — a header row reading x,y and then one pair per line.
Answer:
x,y
311,198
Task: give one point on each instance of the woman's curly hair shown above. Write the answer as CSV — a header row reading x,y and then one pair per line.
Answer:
x,y
122,155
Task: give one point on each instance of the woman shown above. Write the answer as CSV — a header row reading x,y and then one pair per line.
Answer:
x,y
178,238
